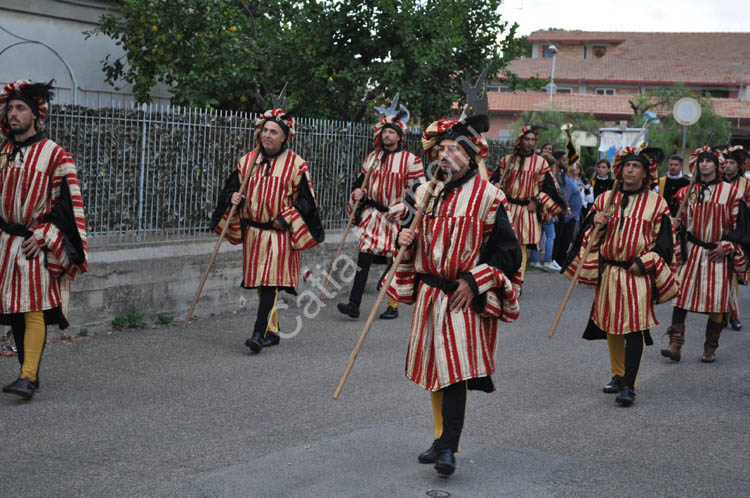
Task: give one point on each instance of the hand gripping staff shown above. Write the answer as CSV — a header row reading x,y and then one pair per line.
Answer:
x,y
365,184
401,252
250,172
593,240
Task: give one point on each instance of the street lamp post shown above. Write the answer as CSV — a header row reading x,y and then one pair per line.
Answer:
x,y
551,86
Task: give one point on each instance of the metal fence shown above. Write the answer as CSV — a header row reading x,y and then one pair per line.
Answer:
x,y
155,172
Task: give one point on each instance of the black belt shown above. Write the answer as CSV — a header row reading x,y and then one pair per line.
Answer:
x,y
443,284
255,224
622,264
521,202
695,240
15,229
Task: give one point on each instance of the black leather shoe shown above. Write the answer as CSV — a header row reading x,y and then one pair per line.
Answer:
x,y
626,396
20,387
614,385
389,314
445,463
349,309
430,455
255,343
271,339
735,324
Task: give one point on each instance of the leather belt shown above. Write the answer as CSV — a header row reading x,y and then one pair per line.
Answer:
x,y
255,224
695,240
622,264
16,229
443,284
521,202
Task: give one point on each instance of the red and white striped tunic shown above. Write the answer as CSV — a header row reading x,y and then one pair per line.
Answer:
x,y
268,256
710,214
389,181
624,302
524,182
29,189
446,346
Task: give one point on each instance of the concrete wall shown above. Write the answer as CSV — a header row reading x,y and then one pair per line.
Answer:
x,y
163,277
60,24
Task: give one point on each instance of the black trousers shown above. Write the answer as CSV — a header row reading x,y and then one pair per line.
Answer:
x,y
364,261
454,410
633,354
564,232
265,307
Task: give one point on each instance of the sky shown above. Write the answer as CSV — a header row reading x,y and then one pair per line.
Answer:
x,y
631,15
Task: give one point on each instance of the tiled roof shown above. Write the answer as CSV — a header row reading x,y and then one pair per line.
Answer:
x,y
615,106
693,58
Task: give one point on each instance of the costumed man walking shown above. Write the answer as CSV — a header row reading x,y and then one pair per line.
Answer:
x,y
629,265
735,158
705,278
42,228
277,217
391,173
671,183
526,180
457,274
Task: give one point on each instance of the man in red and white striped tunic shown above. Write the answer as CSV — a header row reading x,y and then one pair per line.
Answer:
x,y
457,274
735,158
630,267
391,173
526,180
42,228
277,217
706,277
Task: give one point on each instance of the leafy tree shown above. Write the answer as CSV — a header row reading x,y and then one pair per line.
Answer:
x,y
667,134
340,57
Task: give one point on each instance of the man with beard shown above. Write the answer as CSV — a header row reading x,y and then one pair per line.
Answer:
x,y
671,183
391,173
630,267
457,273
42,228
277,217
705,278
526,180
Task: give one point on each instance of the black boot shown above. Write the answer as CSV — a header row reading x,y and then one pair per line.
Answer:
x,y
349,309
445,463
389,314
430,455
614,385
255,343
271,339
735,324
626,396
20,387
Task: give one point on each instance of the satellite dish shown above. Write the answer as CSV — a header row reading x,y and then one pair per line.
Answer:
x,y
686,111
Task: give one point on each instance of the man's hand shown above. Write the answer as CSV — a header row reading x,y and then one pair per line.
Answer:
x,y
634,270
716,254
676,222
461,297
601,219
31,247
406,237
277,225
391,217
531,207
237,198
358,194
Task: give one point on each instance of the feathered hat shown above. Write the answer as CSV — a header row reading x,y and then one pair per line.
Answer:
x,y
36,95
472,123
525,130
394,117
738,153
278,115
706,152
642,156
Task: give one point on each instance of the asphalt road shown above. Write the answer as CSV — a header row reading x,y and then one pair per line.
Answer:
x,y
168,412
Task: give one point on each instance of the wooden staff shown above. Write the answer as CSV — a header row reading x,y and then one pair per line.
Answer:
x,y
221,239
683,204
365,183
593,240
401,252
